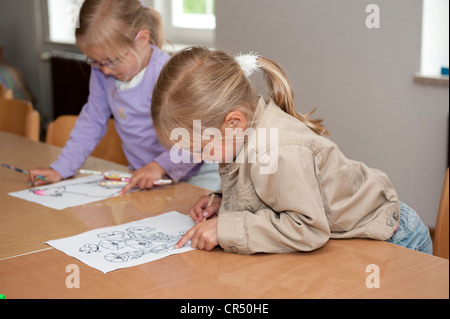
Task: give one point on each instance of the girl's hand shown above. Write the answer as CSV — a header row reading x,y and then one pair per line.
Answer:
x,y
203,235
144,177
200,211
50,174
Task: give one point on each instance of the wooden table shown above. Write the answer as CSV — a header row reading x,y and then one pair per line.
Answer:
x,y
31,269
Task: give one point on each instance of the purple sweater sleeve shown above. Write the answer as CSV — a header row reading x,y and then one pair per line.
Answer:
x,y
88,131
179,171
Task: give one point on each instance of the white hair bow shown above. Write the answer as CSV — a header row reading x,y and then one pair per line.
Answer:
x,y
249,63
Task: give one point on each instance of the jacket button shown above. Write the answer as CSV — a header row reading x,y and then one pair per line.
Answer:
x,y
250,209
226,205
390,222
396,215
233,249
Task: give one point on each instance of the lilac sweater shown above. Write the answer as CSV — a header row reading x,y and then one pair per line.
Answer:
x,y
131,111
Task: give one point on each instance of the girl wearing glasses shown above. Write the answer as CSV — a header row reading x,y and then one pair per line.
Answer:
x,y
122,40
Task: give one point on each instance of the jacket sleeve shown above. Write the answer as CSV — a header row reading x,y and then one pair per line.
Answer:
x,y
293,218
177,171
89,129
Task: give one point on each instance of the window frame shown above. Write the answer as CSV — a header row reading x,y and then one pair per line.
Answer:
x,y
43,32
179,37
429,73
182,36
202,21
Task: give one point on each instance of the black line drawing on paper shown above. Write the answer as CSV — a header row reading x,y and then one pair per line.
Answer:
x,y
142,240
69,193
85,189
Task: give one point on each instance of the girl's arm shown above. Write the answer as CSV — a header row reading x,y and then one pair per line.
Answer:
x,y
293,218
176,171
88,131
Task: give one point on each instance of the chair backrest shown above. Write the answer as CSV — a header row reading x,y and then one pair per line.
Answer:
x,y
58,131
5,93
109,148
441,235
19,117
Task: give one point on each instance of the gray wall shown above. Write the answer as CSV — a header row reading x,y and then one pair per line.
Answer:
x,y
22,42
361,80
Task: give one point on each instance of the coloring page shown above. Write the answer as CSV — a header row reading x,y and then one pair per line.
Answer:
x,y
69,193
131,244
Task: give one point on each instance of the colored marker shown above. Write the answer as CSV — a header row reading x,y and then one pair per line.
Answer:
x,y
113,184
23,171
107,176
89,172
117,184
162,182
117,179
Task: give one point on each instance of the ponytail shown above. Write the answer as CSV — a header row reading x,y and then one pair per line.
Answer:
x,y
281,92
198,83
155,25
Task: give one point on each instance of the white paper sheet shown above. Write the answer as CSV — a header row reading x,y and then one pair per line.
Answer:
x,y
69,193
135,243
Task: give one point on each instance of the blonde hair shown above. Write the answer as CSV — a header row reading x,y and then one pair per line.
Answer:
x,y
202,84
114,24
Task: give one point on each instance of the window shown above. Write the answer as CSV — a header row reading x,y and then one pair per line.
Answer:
x,y
185,21
62,20
193,14
188,22
435,37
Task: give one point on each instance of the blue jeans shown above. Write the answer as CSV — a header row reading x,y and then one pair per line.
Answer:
x,y
412,232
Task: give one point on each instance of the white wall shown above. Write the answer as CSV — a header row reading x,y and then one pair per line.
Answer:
x,y
361,80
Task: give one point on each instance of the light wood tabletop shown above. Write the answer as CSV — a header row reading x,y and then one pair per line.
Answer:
x,y
31,269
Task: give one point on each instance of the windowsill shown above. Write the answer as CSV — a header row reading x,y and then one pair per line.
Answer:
x,y
172,48
70,51
438,80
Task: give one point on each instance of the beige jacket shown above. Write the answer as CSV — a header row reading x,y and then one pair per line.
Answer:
x,y
313,193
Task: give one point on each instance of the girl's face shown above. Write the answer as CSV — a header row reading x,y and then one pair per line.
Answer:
x,y
123,67
215,150
216,144
127,63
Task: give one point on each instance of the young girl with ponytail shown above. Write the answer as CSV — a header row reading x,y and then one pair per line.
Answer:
x,y
314,194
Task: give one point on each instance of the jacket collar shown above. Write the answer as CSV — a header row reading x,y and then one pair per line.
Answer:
x,y
260,110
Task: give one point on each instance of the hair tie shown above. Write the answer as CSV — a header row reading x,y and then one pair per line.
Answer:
x,y
249,63
143,4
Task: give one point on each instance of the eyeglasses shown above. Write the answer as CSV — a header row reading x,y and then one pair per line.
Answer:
x,y
110,64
